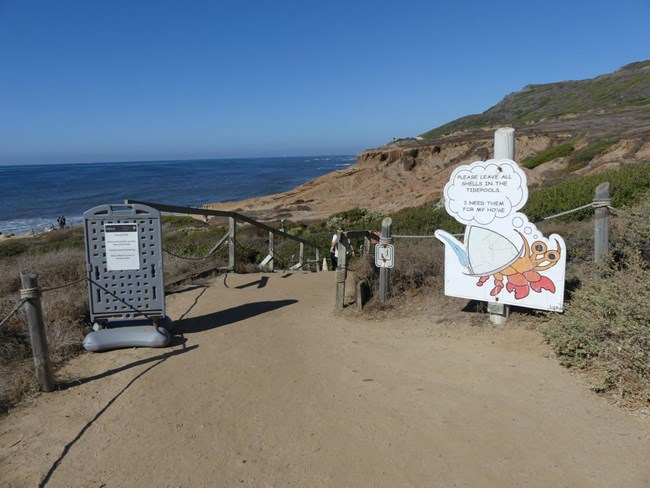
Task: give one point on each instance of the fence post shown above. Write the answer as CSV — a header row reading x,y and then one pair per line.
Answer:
x,y
32,294
341,272
272,251
384,273
601,231
232,248
301,254
504,148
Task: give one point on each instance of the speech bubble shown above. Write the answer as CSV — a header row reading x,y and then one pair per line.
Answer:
x,y
484,191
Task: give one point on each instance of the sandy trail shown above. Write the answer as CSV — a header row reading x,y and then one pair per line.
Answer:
x,y
268,386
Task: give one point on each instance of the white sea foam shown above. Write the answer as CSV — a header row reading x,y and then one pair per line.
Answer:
x,y
35,225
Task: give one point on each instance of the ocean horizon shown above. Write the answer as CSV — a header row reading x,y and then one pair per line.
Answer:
x,y
32,197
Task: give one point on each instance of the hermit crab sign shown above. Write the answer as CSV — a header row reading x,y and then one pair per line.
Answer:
x,y
503,257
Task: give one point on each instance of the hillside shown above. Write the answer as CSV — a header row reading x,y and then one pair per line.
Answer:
x,y
563,130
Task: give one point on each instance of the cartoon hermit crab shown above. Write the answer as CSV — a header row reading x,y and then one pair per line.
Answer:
x,y
489,253
523,274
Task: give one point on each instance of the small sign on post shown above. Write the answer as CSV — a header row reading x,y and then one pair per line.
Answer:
x,y
384,256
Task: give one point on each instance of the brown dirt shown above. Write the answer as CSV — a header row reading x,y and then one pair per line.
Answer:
x,y
266,385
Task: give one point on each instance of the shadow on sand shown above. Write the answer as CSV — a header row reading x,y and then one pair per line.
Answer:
x,y
155,360
228,316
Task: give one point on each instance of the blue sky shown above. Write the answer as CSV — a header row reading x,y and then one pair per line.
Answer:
x,y
84,81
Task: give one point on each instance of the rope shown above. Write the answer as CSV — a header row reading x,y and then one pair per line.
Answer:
x,y
565,213
413,237
29,293
13,311
63,286
210,254
602,203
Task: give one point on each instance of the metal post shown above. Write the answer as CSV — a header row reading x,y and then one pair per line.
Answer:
x,y
341,272
384,273
232,248
601,231
271,263
504,148
32,293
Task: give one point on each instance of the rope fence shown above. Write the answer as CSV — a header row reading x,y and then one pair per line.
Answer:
x,y
596,204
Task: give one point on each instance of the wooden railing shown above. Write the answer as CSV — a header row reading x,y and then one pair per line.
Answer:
x,y
231,236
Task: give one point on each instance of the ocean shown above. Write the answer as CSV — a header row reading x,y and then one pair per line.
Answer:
x,y
32,197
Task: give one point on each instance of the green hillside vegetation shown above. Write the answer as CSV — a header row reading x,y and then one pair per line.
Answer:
x,y
627,87
581,159
549,154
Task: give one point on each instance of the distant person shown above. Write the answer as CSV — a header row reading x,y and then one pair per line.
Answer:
x,y
334,249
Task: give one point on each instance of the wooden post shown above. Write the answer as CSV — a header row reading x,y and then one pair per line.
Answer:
x,y
341,272
32,293
504,148
384,273
271,263
301,254
601,231
366,247
232,248
363,294
317,259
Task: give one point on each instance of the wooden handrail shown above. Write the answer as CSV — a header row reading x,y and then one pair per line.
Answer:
x,y
220,213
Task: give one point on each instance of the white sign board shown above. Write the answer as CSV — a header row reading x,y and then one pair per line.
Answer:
x,y
122,247
503,257
384,255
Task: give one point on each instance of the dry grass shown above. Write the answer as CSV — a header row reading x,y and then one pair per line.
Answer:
x,y
65,313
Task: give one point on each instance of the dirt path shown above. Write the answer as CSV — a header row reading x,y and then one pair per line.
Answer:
x,y
267,386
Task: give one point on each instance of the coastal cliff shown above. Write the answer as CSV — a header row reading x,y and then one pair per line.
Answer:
x,y
609,128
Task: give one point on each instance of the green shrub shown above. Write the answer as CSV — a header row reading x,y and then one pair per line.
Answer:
x,y
424,220
628,185
12,248
582,158
549,154
355,219
605,327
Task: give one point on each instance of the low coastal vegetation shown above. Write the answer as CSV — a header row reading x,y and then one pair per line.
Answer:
x,y
627,87
582,158
600,334
559,151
